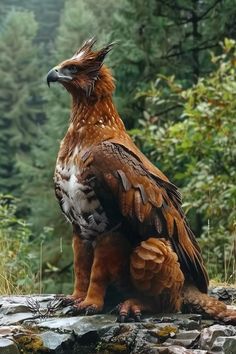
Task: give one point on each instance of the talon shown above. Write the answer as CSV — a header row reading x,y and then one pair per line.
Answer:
x,y
73,311
130,311
87,312
88,308
66,301
91,310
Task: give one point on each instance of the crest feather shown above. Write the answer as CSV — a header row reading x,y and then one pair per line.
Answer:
x,y
86,46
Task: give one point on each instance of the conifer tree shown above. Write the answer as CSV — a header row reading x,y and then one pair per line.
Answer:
x,y
19,95
46,12
166,37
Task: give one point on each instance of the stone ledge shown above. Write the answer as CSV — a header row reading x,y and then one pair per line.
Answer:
x,y
22,331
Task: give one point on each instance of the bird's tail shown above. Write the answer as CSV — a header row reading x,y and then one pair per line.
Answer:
x,y
196,302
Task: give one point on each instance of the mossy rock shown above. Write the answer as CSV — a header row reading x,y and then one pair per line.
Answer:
x,y
29,343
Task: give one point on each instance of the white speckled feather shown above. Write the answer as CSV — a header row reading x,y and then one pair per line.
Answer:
x,y
79,200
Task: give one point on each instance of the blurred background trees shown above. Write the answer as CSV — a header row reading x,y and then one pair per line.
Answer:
x,y
176,97
20,104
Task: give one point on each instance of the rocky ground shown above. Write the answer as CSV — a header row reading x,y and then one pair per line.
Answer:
x,y
39,324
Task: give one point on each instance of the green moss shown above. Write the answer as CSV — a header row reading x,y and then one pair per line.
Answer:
x,y
29,343
164,332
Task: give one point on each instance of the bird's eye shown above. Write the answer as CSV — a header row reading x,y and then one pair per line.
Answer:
x,y
73,69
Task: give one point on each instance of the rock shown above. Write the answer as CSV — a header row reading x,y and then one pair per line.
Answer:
x,y
227,295
7,346
177,349
13,308
80,325
140,339
119,339
53,341
186,339
188,324
173,349
164,331
225,345
15,319
145,341
28,342
6,331
183,321
57,331
6,301
209,335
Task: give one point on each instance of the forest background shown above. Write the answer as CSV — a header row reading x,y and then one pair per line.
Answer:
x,y
175,67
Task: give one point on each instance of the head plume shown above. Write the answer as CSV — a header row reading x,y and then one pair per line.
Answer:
x,y
86,47
80,73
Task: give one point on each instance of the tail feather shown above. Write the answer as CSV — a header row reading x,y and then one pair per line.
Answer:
x,y
197,302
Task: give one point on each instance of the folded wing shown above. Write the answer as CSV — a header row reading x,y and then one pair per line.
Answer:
x,y
147,201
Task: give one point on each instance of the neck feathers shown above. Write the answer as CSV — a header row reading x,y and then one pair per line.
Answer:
x,y
93,121
99,114
97,110
104,85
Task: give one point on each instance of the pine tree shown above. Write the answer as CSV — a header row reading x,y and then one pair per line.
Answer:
x,y
19,95
45,12
165,37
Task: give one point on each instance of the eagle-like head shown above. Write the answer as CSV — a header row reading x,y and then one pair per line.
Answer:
x,y
80,73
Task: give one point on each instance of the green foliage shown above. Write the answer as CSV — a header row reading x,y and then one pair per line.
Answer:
x,y
165,37
47,13
20,103
18,262
199,154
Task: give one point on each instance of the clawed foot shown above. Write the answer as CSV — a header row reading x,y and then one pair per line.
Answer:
x,y
70,300
79,305
130,310
86,308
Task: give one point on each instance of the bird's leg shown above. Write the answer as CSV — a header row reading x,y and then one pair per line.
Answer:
x,y
110,264
132,309
94,300
83,258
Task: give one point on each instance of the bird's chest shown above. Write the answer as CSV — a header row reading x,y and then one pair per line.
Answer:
x,y
79,202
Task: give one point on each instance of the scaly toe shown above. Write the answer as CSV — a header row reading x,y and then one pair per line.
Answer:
x,y
129,311
66,300
88,308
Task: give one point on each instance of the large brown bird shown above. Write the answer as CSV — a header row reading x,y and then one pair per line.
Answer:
x,y
128,225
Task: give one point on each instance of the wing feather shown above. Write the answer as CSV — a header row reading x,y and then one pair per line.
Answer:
x,y
138,206
149,202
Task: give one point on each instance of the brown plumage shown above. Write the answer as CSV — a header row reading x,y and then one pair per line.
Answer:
x,y
129,227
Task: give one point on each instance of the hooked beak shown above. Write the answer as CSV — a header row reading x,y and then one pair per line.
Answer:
x,y
55,75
